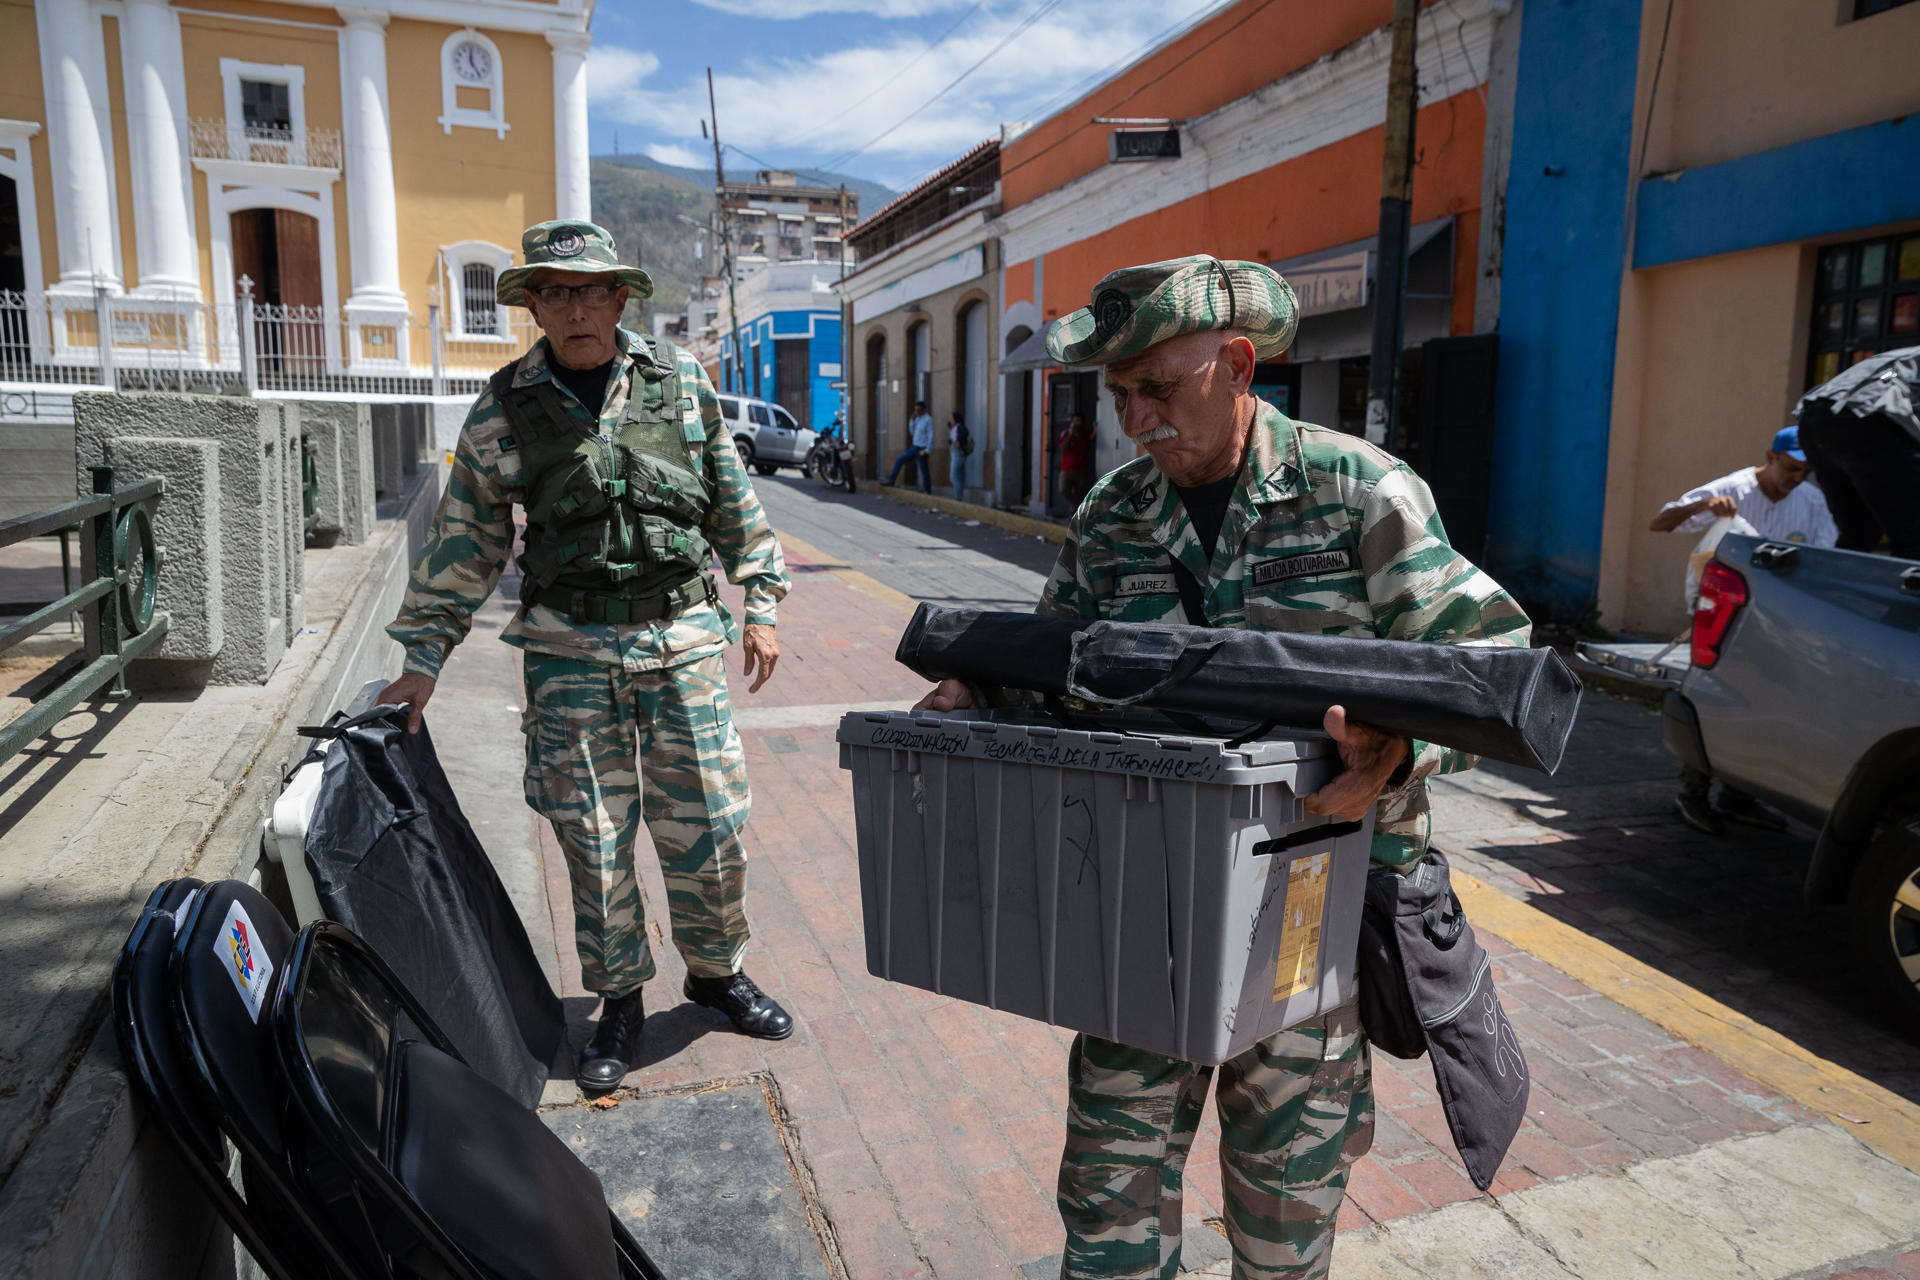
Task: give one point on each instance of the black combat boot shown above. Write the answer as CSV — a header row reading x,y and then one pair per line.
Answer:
x,y
751,1010
615,1044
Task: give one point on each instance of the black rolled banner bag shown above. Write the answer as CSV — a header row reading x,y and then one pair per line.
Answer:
x,y
1511,704
395,860
1426,986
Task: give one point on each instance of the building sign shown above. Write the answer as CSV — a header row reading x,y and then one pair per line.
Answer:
x,y
1332,284
829,370
1124,145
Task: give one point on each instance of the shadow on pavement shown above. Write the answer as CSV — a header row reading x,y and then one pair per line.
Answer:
x,y
1600,848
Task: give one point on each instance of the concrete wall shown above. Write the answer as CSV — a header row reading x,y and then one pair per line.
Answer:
x,y
232,520
1680,420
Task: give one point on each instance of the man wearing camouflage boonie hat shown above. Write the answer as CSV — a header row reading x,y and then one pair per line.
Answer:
x,y
614,446
1238,516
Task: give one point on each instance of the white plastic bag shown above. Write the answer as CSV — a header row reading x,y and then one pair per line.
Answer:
x,y
1704,549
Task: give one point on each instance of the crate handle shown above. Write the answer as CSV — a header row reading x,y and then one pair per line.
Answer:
x,y
1309,835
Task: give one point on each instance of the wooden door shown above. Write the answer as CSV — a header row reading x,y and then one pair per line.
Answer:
x,y
793,378
297,269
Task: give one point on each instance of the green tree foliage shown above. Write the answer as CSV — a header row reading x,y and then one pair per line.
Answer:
x,y
643,210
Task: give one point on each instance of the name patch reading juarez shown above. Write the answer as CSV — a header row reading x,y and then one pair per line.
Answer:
x,y
1309,564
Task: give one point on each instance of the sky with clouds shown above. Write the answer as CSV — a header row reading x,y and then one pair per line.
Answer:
x,y
852,85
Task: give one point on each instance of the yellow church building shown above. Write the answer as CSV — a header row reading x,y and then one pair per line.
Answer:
x,y
298,196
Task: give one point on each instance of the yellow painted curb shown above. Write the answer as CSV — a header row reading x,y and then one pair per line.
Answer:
x,y
861,582
1012,522
1877,1116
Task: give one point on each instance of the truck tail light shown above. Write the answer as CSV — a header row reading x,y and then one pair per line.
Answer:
x,y
1722,592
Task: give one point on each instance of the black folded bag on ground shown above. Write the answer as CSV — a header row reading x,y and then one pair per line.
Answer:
x,y
395,860
1426,986
1509,704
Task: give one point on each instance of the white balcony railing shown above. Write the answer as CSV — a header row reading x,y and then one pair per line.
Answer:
x,y
221,140
241,348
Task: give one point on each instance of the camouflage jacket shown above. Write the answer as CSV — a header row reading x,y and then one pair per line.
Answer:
x,y
472,534
1325,535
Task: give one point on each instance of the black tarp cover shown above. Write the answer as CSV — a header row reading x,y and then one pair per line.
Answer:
x,y
395,860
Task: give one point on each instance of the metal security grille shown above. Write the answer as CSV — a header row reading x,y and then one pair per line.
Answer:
x,y
478,307
1866,300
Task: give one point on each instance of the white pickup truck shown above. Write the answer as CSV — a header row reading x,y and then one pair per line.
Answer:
x,y
1800,684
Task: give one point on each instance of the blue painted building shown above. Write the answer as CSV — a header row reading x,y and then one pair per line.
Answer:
x,y
1711,206
789,334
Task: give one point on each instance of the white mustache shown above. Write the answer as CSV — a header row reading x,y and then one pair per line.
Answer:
x,y
1162,432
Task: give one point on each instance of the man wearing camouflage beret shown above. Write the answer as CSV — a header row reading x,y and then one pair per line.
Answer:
x,y
614,446
1239,517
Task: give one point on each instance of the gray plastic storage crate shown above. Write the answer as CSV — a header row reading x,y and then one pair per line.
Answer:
x,y
1169,893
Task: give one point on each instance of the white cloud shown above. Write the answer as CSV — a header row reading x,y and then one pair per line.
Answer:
x,y
796,110
786,9
673,153
613,72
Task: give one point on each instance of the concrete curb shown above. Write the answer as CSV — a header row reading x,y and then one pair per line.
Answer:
x,y
1877,1116
1008,520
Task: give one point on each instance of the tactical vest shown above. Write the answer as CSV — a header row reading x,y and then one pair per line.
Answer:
x,y
613,520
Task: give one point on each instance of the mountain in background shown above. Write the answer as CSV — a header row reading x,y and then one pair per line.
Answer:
x,y
643,209
872,195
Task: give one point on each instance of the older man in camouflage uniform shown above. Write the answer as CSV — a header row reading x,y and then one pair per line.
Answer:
x,y
1240,517
615,447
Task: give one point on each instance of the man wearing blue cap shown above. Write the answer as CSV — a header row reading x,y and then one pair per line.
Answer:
x,y
1774,500
1770,497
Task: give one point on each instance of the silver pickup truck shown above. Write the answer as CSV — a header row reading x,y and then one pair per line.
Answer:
x,y
1800,684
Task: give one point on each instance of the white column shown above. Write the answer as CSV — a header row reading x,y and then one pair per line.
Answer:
x,y
572,194
73,68
373,219
157,143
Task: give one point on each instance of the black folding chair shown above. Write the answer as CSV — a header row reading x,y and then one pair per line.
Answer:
x,y
161,1077
449,1174
227,958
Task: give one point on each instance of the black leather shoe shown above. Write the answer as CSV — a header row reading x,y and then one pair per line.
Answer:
x,y
751,1010
615,1043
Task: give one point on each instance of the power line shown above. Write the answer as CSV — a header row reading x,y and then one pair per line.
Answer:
x,y
1041,11
904,68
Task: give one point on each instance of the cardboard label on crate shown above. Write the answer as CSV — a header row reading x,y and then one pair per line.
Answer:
x,y
1298,967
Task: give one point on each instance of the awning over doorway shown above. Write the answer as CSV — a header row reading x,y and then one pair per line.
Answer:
x,y
1341,278
1031,354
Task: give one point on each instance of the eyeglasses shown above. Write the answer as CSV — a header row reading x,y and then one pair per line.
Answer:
x,y
556,295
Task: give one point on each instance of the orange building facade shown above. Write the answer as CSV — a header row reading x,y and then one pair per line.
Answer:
x,y
1280,108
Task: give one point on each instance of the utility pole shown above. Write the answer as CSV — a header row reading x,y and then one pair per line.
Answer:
x,y
726,242
846,329
1396,198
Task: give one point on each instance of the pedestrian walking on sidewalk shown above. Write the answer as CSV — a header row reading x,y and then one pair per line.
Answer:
x,y
614,446
1776,502
919,447
959,453
1239,517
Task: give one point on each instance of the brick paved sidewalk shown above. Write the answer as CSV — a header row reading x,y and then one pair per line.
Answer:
x,y
930,1130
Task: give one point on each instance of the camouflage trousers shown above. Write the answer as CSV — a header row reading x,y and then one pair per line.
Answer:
x,y
589,726
1296,1111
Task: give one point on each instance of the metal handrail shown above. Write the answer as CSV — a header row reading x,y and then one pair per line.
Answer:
x,y
126,567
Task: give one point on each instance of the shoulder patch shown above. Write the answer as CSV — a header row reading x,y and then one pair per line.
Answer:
x,y
1309,564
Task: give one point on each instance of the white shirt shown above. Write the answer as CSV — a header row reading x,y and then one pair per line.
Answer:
x,y
1801,516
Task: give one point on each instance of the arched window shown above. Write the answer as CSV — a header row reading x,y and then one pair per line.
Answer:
x,y
477,298
876,393
920,366
473,267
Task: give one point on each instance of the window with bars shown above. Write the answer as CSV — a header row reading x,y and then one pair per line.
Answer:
x,y
1866,299
479,310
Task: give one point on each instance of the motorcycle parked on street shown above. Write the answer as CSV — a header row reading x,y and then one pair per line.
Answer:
x,y
831,458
